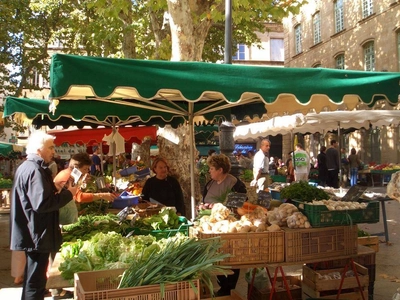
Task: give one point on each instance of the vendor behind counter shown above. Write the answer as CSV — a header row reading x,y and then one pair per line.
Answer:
x,y
163,187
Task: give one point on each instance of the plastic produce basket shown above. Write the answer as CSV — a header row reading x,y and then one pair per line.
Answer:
x,y
184,225
124,200
321,216
102,285
278,178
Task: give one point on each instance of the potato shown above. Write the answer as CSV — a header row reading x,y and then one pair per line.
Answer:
x,y
244,228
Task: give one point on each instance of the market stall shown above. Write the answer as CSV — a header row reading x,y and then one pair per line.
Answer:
x,y
275,242
185,91
322,122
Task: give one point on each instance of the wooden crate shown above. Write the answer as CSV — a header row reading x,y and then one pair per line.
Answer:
x,y
302,245
102,285
280,292
249,248
369,241
310,294
313,286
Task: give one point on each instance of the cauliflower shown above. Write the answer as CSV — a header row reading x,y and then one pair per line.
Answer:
x,y
219,212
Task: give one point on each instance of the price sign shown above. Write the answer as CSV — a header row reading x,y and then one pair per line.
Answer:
x,y
235,199
264,199
354,193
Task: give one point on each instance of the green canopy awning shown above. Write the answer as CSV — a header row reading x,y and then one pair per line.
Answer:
x,y
6,149
87,113
192,89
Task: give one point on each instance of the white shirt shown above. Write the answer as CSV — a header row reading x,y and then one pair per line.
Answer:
x,y
260,162
301,162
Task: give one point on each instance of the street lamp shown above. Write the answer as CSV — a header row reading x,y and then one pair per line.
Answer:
x,y
228,32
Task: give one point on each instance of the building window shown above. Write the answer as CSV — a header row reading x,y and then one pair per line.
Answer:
x,y
297,37
339,61
34,80
369,56
339,16
317,65
317,28
367,8
398,51
241,52
277,50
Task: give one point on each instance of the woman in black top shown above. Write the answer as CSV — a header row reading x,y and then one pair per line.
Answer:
x,y
163,187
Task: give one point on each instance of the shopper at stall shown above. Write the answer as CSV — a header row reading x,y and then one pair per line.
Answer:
x,y
354,164
216,190
344,163
301,163
96,161
164,188
289,168
34,213
69,213
322,167
332,163
261,166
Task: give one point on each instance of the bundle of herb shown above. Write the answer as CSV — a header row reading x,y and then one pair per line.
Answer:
x,y
304,192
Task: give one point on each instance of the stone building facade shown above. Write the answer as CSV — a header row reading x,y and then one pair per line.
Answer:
x,y
355,35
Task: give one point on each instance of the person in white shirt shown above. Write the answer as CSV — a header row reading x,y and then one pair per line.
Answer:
x,y
261,166
301,164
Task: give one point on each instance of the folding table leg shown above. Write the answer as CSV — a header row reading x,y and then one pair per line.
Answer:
x,y
353,266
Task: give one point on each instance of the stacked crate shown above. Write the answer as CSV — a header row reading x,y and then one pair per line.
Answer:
x,y
323,284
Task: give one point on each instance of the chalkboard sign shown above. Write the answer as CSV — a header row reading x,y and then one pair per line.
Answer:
x,y
264,199
354,193
235,199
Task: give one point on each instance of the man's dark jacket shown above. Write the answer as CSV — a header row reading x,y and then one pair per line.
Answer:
x,y
34,208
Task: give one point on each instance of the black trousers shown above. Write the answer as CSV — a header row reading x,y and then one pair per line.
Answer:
x,y
228,283
34,287
333,178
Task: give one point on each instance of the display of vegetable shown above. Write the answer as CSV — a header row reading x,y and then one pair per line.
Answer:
x,y
104,251
180,259
221,221
97,207
248,208
303,191
165,219
89,225
340,205
298,220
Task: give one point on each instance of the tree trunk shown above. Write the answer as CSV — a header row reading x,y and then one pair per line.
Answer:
x,y
177,154
129,40
181,24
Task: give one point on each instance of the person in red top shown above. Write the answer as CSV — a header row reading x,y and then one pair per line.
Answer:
x,y
69,213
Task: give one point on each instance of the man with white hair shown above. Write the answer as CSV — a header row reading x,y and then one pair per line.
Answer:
x,y
34,213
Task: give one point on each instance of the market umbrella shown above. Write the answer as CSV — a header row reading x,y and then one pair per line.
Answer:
x,y
189,90
322,122
7,148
